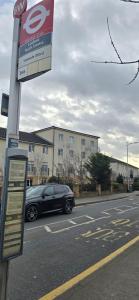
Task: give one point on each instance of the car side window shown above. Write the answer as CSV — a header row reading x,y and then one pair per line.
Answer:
x,y
49,191
59,189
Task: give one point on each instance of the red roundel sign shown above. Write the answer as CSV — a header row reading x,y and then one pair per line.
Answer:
x,y
19,7
37,21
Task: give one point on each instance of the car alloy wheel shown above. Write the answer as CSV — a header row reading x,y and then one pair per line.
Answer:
x,y
68,207
31,213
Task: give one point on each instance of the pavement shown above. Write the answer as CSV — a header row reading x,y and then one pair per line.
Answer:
x,y
88,200
118,277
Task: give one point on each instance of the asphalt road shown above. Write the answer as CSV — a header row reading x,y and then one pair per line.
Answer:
x,y
59,247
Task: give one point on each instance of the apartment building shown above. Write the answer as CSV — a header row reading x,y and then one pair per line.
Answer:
x,y
39,156
71,149
60,152
121,167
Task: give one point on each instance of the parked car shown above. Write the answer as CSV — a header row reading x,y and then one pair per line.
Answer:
x,y
47,198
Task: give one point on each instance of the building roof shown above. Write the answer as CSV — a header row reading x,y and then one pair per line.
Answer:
x,y
114,160
27,137
67,130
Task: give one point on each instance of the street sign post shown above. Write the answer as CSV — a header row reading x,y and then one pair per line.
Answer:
x,y
19,7
12,132
31,57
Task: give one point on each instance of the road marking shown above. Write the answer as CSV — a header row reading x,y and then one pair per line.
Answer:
x,y
122,212
75,280
53,223
72,222
32,228
47,228
91,218
78,225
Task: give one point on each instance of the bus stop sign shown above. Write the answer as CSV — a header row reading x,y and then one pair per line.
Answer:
x,y
19,7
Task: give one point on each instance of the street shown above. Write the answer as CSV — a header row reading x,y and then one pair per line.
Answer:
x,y
58,247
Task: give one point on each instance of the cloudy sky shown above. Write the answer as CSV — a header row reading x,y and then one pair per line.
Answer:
x,y
77,94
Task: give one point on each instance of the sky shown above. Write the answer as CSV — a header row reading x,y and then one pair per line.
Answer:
x,y
78,94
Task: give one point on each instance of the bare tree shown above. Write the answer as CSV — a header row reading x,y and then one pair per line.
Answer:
x,y
120,60
38,161
71,167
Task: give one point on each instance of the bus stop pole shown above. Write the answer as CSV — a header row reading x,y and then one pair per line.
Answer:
x,y
12,133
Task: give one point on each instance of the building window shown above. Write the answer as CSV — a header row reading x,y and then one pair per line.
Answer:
x,y
61,137
30,168
82,155
59,170
29,182
83,141
31,147
71,139
45,149
71,153
60,152
44,169
92,144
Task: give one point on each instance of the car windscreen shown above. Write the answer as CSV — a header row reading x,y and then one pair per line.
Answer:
x,y
35,191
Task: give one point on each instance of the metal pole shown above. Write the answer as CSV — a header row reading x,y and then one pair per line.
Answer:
x,y
15,89
127,170
12,132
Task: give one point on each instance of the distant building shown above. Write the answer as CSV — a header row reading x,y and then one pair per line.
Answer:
x,y
121,167
59,152
71,149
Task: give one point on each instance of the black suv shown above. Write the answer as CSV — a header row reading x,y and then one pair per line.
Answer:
x,y
46,198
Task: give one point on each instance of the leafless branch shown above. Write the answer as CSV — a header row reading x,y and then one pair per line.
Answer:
x,y
115,62
120,62
135,75
112,41
131,1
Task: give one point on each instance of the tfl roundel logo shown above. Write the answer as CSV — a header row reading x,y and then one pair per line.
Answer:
x,y
37,21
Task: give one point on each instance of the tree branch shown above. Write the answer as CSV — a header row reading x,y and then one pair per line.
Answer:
x,y
120,62
112,41
135,75
131,1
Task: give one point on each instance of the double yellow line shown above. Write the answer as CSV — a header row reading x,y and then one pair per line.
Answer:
x,y
72,282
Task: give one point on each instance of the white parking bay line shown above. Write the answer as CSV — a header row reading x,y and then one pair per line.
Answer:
x,y
47,228
32,228
91,218
72,222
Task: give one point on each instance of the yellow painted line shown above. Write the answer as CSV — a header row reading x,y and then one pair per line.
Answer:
x,y
72,282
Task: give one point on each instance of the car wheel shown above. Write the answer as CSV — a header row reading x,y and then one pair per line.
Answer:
x,y
67,207
31,213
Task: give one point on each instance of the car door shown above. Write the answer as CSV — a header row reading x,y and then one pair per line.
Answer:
x,y
48,197
59,196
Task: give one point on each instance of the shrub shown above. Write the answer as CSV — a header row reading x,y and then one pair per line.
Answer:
x,y
136,184
54,179
88,187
